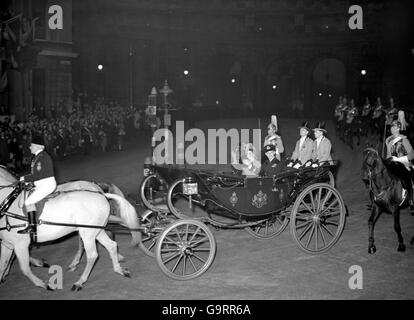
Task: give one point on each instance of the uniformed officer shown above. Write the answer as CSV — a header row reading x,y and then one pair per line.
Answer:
x,y
42,175
273,138
399,149
303,147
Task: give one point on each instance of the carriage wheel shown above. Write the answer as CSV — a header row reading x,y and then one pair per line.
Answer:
x,y
269,228
154,221
151,192
178,203
317,218
185,249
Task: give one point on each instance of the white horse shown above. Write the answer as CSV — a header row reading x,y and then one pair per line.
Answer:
x,y
114,217
75,207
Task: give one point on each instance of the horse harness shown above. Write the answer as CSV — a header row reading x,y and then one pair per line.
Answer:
x,y
20,187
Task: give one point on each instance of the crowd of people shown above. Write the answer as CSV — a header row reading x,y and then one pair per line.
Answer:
x,y
100,125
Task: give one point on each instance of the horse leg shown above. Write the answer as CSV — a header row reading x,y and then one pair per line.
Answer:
x,y
111,235
78,256
41,263
91,257
5,261
22,253
112,248
397,228
375,213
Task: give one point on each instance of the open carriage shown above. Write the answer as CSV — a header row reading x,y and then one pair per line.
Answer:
x,y
182,201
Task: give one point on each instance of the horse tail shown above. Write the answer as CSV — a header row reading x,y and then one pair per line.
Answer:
x,y
110,188
128,216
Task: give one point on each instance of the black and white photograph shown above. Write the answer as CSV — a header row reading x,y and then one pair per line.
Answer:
x,y
206,154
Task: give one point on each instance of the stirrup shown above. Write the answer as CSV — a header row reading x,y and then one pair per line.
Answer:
x,y
28,229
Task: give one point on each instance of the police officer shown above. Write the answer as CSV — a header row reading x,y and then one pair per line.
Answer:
x,y
42,175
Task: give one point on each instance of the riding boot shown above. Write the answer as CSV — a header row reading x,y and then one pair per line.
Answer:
x,y
32,223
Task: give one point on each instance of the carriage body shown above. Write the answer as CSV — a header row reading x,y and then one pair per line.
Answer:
x,y
190,199
236,196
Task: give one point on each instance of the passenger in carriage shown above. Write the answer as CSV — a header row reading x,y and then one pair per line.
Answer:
x,y
273,138
250,166
303,148
272,165
321,152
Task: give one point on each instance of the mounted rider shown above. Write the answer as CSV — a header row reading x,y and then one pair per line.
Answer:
x,y
379,109
391,113
366,116
42,175
351,112
399,150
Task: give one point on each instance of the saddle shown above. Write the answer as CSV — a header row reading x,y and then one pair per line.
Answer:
x,y
41,204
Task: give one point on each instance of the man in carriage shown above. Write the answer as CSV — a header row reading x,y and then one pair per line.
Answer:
x,y
303,148
43,178
272,165
321,152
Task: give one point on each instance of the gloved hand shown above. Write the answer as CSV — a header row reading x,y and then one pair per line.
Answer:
x,y
297,166
315,165
21,179
308,164
290,164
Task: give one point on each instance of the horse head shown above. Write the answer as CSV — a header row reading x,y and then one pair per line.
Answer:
x,y
6,177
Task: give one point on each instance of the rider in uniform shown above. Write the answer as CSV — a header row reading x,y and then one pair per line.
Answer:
x,y
42,175
365,115
303,147
391,113
273,138
399,149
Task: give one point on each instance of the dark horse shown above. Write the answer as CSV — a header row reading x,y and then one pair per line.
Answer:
x,y
385,182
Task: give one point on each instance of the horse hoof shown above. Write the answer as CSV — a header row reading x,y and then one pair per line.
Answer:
x,y
126,273
45,264
76,287
71,268
401,248
372,250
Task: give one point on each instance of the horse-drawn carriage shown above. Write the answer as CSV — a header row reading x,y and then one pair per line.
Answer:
x,y
182,201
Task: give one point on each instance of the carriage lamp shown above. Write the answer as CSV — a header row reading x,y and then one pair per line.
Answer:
x,y
190,187
147,167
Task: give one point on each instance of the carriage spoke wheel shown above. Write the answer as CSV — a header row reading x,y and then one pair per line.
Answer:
x,y
153,220
269,228
178,203
185,249
317,218
152,192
